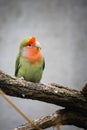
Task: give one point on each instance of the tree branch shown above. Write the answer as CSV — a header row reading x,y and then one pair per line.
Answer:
x,y
84,90
52,93
74,101
61,117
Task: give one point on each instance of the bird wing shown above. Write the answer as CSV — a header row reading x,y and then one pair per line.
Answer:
x,y
17,65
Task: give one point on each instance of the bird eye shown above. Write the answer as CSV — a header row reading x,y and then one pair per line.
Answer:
x,y
29,44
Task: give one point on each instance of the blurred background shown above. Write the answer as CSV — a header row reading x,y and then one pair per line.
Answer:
x,y
61,27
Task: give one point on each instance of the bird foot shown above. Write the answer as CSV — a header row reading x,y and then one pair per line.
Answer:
x,y
22,78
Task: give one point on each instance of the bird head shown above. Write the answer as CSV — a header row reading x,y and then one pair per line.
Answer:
x,y
30,48
30,42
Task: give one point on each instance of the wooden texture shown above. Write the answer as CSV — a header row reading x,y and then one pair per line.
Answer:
x,y
75,102
60,117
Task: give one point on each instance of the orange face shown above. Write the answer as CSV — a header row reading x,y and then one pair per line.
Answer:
x,y
33,52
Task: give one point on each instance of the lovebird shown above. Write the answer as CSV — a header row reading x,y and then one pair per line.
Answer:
x,y
30,62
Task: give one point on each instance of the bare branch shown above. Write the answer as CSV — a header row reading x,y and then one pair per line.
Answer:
x,y
75,102
61,117
52,93
84,90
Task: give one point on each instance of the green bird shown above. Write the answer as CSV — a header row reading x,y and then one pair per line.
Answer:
x,y
30,62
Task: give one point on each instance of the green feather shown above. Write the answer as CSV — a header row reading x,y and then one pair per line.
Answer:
x,y
24,41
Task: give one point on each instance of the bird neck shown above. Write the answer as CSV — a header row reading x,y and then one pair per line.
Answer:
x,y
34,55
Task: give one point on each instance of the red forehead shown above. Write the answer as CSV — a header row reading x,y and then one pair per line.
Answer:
x,y
32,40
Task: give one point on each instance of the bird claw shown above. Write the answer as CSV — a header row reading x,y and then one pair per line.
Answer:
x,y
22,78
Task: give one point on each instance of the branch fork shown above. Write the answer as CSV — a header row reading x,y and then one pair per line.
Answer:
x,y
74,101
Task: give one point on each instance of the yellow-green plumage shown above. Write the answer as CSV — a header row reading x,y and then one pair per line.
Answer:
x,y
30,71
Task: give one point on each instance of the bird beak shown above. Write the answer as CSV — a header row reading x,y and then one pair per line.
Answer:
x,y
38,45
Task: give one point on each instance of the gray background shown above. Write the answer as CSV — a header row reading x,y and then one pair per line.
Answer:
x,y
61,28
